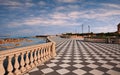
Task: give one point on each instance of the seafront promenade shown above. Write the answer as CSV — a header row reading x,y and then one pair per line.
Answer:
x,y
76,57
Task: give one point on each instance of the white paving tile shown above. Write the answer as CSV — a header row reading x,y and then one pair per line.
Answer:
x,y
78,65
64,65
112,72
62,71
79,71
66,57
102,61
92,66
118,65
77,61
66,61
54,61
107,66
51,65
90,61
47,70
96,72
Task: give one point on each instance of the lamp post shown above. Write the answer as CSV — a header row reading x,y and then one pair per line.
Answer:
x,y
82,28
88,29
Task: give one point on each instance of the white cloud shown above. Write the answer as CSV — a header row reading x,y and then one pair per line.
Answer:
x,y
58,15
111,5
10,3
57,19
28,4
41,21
93,14
73,6
42,3
67,1
107,28
62,19
76,14
60,8
67,8
16,4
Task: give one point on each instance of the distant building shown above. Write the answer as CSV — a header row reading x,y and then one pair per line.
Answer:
x,y
118,28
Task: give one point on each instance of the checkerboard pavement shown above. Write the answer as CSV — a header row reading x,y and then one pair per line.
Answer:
x,y
75,57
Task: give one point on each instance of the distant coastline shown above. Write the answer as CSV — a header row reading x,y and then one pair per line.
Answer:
x,y
9,42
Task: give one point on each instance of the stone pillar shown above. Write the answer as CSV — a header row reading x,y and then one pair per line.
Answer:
x,y
16,65
53,49
22,63
2,70
10,66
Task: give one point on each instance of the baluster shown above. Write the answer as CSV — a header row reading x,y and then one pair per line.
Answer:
x,y
49,52
27,61
53,49
22,63
44,54
31,59
2,70
17,71
39,57
35,57
10,67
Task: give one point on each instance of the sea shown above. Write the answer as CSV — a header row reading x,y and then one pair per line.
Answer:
x,y
34,41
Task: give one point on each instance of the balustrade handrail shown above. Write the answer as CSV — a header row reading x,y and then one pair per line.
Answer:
x,y
21,49
18,61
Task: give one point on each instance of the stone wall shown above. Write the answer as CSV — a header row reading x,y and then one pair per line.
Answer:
x,y
111,40
95,40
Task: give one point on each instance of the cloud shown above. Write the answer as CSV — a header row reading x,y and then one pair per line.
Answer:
x,y
94,14
67,1
107,28
47,22
62,13
76,14
74,6
101,13
57,19
60,8
16,4
28,4
110,5
10,3
67,8
58,15
42,3
64,19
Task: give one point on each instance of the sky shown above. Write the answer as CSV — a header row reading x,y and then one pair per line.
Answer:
x,y
42,17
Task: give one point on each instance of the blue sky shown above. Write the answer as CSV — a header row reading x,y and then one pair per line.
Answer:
x,y
37,17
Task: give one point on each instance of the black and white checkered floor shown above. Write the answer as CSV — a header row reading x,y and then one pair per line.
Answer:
x,y
76,57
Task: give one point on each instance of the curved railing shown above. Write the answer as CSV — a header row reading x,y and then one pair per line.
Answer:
x,y
20,60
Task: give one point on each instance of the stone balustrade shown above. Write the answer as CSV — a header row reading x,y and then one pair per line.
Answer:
x,y
20,60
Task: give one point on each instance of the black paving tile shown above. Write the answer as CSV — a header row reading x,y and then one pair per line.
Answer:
x,y
84,49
